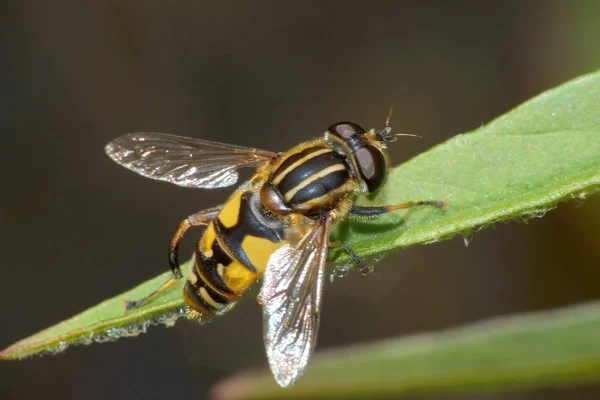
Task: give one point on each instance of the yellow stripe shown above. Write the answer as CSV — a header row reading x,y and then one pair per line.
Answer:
x,y
206,297
338,139
327,199
192,277
230,212
238,277
208,283
259,250
290,193
207,240
307,157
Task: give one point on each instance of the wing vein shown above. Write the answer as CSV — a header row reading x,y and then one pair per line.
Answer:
x,y
291,294
184,161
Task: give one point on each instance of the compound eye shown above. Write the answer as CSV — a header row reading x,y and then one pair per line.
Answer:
x,y
372,166
345,129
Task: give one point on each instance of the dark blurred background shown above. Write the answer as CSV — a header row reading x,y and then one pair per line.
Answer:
x,y
75,228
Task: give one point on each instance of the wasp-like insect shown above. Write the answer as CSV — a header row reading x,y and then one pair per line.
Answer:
x,y
275,226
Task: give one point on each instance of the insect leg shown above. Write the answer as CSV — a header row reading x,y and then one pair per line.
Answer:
x,y
371,211
198,219
136,303
364,268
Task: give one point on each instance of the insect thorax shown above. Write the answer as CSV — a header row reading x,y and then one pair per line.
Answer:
x,y
308,178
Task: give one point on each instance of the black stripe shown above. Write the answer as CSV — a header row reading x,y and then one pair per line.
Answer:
x,y
208,266
307,169
295,157
368,211
234,246
192,292
248,224
320,187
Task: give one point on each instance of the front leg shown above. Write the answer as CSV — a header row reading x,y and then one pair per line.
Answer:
x,y
202,218
372,211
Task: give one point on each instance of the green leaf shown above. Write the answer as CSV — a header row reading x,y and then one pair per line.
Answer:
x,y
106,321
516,167
552,348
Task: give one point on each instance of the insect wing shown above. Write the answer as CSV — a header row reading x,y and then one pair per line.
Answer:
x,y
291,297
183,161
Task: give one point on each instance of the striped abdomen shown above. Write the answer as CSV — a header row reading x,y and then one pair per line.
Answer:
x,y
231,254
311,177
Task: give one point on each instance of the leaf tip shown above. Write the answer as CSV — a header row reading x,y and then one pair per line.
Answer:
x,y
6,354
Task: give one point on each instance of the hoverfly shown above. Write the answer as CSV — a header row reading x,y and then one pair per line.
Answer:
x,y
275,226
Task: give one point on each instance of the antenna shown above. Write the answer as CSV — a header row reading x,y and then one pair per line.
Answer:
x,y
389,116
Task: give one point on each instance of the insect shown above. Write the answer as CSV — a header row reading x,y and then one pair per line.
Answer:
x,y
275,226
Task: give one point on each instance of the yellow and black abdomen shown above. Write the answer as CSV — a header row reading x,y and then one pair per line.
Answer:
x,y
311,177
232,253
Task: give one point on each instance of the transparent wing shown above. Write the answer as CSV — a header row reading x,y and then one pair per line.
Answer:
x,y
291,298
184,161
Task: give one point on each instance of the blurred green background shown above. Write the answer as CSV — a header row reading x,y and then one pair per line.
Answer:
x,y
75,228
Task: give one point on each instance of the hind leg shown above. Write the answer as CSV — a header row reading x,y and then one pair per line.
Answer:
x,y
199,219
202,218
